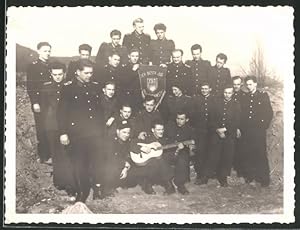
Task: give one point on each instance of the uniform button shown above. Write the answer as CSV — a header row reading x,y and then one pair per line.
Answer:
x,y
205,102
250,106
88,101
177,135
197,74
57,99
97,95
250,117
91,117
84,85
161,52
176,75
87,93
205,108
251,95
225,109
116,154
58,92
250,111
37,93
206,114
223,119
197,80
251,100
140,47
75,97
58,85
41,73
262,120
90,109
196,69
72,123
224,113
177,70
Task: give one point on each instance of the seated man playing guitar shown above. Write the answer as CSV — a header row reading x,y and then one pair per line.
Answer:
x,y
155,170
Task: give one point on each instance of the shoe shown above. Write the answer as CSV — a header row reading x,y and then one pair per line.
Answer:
x,y
201,180
182,190
148,189
170,189
223,182
48,162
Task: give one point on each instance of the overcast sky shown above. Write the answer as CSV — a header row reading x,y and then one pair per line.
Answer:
x,y
234,31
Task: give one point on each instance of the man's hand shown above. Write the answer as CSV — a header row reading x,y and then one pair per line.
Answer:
x,y
110,121
36,108
221,132
142,135
123,174
64,139
146,149
163,65
180,146
135,67
238,133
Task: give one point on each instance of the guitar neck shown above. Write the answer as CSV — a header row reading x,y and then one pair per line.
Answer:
x,y
173,145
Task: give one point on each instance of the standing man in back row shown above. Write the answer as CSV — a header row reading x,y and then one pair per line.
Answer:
x,y
137,39
201,69
38,73
161,48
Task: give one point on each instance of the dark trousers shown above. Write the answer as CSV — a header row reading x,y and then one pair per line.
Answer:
x,y
42,146
237,156
254,161
85,154
201,153
181,164
220,157
63,178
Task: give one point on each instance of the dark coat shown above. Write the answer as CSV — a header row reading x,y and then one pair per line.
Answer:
x,y
161,51
219,79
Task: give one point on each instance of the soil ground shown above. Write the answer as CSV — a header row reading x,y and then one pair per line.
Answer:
x,y
36,193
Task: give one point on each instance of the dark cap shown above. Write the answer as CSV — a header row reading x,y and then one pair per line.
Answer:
x,y
123,125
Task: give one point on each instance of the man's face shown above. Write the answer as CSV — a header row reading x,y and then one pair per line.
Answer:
x,y
161,34
228,92
133,57
205,90
114,60
125,112
139,27
158,131
176,91
237,84
85,74
251,85
196,54
176,57
220,63
109,90
149,105
44,52
123,134
84,54
57,74
181,120
115,40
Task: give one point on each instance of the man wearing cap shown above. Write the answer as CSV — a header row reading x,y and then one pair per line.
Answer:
x,y
161,48
201,69
223,124
203,108
138,39
257,114
85,51
38,73
177,70
220,75
106,49
81,127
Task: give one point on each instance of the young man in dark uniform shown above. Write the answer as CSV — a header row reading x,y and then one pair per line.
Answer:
x,y
180,131
223,124
38,73
85,51
220,76
203,107
201,69
81,127
257,114
137,39
157,170
177,70
161,48
106,49
50,97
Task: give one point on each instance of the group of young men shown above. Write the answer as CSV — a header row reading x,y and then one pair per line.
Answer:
x,y
91,118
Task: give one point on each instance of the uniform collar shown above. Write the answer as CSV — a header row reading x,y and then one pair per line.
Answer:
x,y
81,84
111,44
137,34
179,64
42,61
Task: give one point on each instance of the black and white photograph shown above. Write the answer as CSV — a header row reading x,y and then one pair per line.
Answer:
x,y
180,114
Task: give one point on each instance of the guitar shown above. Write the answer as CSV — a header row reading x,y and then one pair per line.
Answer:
x,y
156,151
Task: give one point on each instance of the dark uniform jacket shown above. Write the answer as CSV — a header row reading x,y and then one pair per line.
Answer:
x,y
201,72
161,51
37,73
129,80
50,98
80,113
108,73
141,42
202,111
238,96
106,49
171,105
110,106
219,78
179,72
72,68
257,111
225,114
143,121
